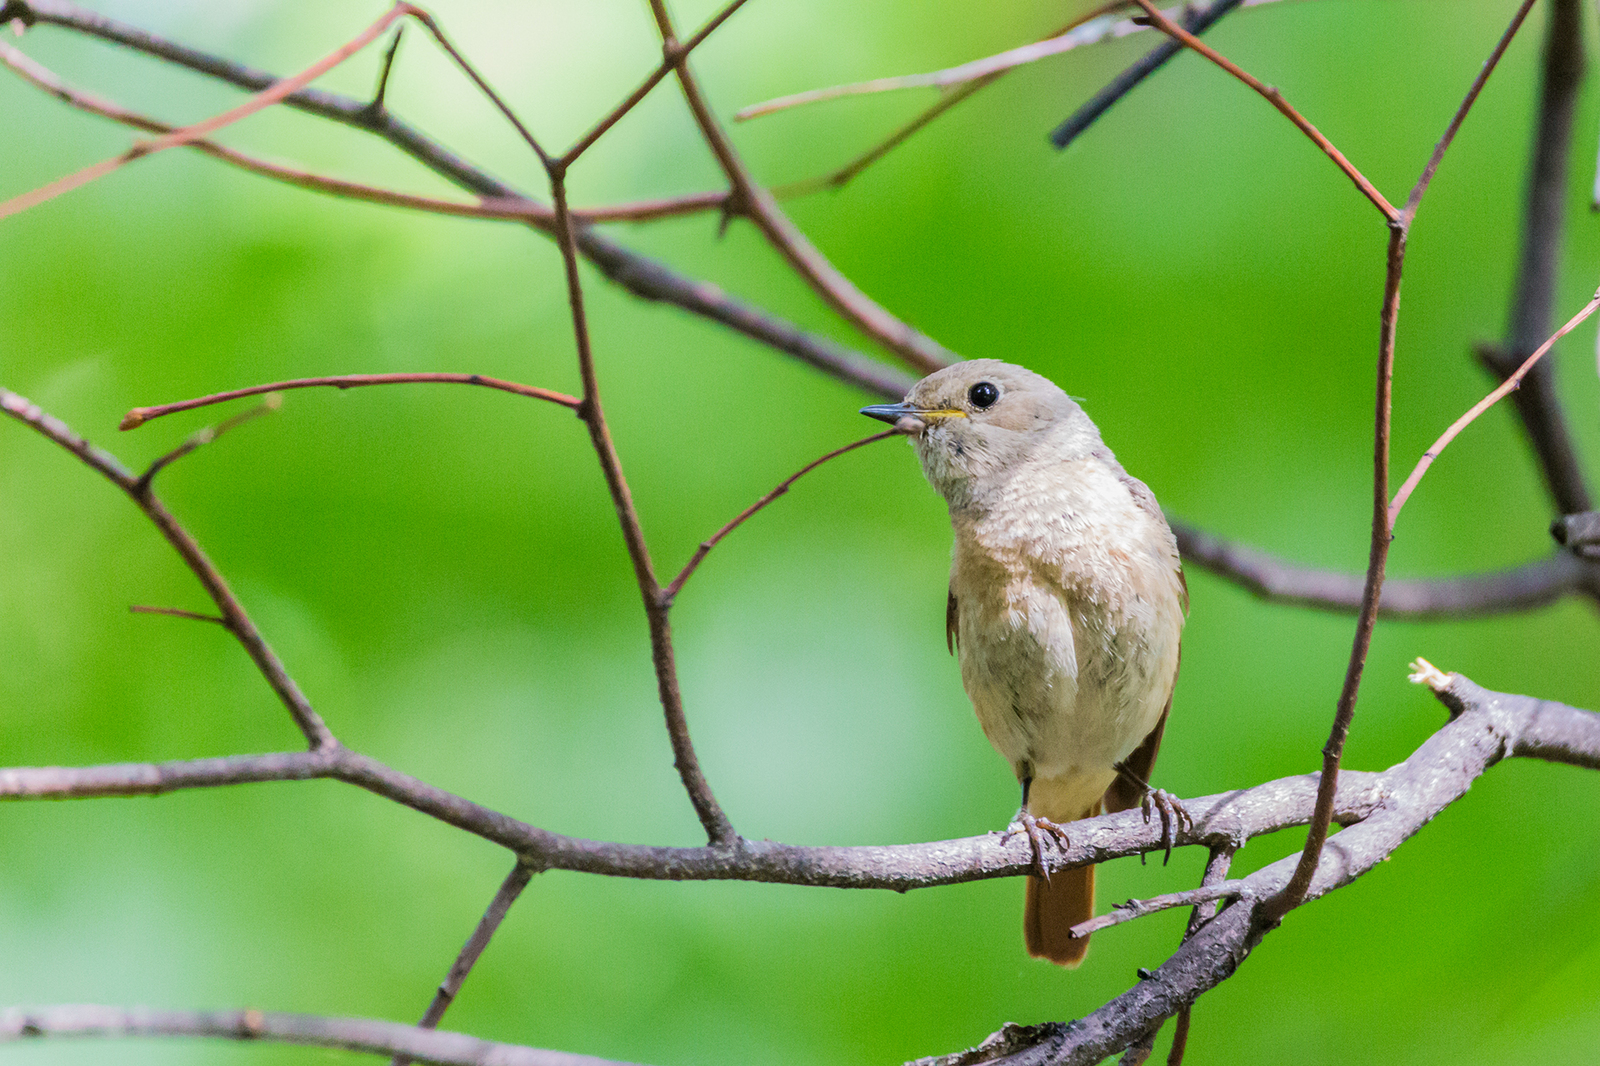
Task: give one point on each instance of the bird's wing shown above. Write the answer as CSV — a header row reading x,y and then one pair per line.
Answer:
x,y
952,622
1124,794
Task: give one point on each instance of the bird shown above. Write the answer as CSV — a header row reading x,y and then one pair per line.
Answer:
x,y
1066,608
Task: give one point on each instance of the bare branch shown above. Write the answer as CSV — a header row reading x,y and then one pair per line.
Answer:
x,y
1095,26
233,613
1409,211
178,612
599,129
1520,588
349,1034
719,830
201,438
1139,908
264,99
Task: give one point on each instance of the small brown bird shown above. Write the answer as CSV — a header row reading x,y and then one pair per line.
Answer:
x,y
1067,602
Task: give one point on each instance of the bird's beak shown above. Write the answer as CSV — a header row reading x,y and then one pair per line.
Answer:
x,y
890,412
908,418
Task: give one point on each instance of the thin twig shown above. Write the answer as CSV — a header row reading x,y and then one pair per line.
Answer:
x,y
234,616
1139,908
497,208
1275,98
499,907
347,1034
916,350
1093,27
140,415
1409,211
664,68
205,436
1294,891
1483,405
1217,866
378,94
670,593
264,99
178,612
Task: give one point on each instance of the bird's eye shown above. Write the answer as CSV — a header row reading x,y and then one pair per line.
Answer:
x,y
983,395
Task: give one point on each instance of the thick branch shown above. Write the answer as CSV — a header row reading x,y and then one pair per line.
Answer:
x,y
1488,727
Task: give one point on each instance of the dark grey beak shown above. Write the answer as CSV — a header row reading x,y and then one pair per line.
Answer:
x,y
889,412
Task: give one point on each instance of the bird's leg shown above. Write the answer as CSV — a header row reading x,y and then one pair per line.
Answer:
x,y
1173,815
1036,830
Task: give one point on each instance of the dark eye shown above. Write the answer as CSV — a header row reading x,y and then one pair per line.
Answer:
x,y
983,395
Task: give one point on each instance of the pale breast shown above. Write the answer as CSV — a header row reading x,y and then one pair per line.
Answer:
x,y
1070,612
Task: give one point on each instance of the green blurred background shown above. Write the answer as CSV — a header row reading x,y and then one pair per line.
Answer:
x,y
440,569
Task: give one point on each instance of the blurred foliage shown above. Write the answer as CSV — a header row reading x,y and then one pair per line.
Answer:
x,y
441,571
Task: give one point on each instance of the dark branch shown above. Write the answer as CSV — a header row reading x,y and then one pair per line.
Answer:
x,y
1196,22
1271,578
1538,270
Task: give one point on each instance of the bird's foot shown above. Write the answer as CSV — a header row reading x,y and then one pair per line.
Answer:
x,y
1174,817
1036,830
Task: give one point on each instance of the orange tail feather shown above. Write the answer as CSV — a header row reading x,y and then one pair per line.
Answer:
x,y
1053,908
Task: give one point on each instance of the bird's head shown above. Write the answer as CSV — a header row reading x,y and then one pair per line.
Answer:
x,y
975,423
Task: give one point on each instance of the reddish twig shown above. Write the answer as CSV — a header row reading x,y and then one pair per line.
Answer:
x,y
670,593
258,102
1275,98
140,415
1294,891
670,57
719,830
1483,405
499,907
750,199
203,437
234,617
1409,211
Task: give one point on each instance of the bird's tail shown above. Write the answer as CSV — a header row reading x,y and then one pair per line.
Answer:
x,y
1053,908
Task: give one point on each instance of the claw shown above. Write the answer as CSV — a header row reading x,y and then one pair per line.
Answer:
x,y
1036,829
1174,817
